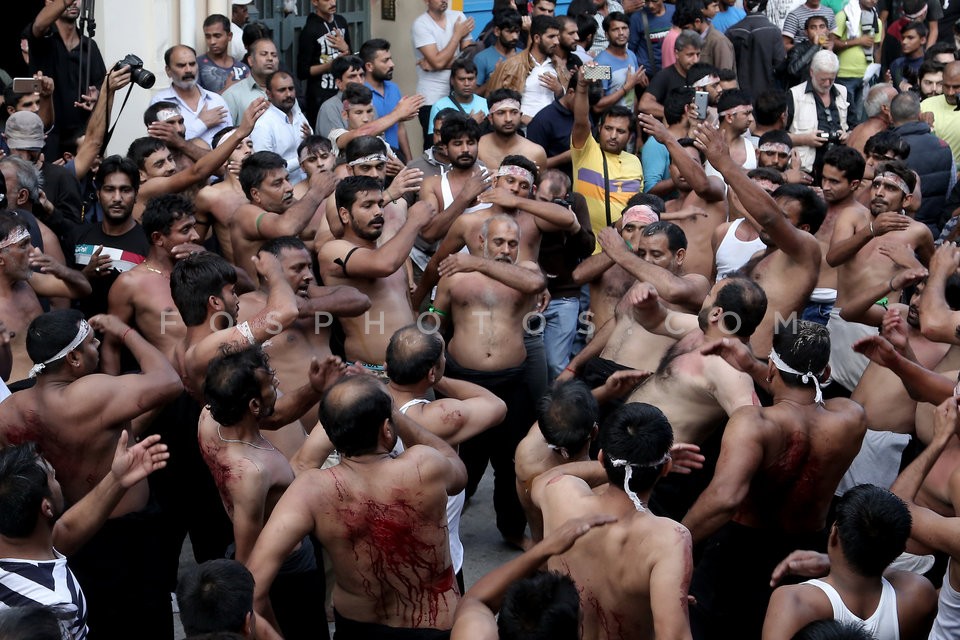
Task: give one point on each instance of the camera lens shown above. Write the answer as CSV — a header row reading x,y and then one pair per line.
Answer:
x,y
144,78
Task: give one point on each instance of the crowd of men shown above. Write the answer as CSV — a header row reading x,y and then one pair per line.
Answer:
x,y
686,276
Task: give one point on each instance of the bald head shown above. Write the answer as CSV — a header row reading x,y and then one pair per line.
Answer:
x,y
353,412
412,354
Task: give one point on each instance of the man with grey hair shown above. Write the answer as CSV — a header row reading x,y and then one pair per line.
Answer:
x,y
877,107
930,157
204,112
817,111
486,300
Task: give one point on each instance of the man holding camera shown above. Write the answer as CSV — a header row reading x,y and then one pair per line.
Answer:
x,y
204,112
817,111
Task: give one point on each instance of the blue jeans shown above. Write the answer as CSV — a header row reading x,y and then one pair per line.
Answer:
x,y
855,91
817,312
560,332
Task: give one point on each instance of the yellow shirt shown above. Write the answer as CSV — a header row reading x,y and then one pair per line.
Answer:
x,y
625,175
946,122
853,62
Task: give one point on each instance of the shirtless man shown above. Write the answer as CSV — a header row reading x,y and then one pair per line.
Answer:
x,y
702,195
377,272
855,250
308,337
735,242
217,203
158,172
789,268
251,474
315,154
505,139
778,469
382,518
272,211
416,363
632,574
488,301
141,296
659,260
20,285
76,416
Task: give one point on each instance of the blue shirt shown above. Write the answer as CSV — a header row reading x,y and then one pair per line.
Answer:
x,y
618,74
385,103
656,163
726,19
477,104
486,62
551,129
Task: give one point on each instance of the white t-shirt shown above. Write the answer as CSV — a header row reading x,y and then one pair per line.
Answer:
x,y
535,95
433,85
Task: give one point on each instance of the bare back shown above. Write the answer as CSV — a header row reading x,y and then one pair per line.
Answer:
x,y
221,202
788,286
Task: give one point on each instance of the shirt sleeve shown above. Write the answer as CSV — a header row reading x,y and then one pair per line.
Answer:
x,y
420,33
791,25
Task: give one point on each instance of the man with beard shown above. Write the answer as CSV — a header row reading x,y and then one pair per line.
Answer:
x,y
487,299
378,68
855,248
116,245
930,79
77,417
378,272
158,173
271,211
283,126
204,112
506,30
141,296
505,140
264,60
625,71
216,204
308,337
687,50
533,73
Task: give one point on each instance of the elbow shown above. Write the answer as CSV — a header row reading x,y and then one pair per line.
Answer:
x,y
359,303
169,387
833,259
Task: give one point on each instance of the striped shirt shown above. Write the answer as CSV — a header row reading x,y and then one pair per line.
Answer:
x,y
47,583
794,22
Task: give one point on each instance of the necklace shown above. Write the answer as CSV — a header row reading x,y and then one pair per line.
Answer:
x,y
269,446
149,268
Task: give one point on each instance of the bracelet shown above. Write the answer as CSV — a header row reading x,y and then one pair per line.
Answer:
x,y
573,371
124,336
433,309
629,246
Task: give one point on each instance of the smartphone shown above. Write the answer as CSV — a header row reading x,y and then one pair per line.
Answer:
x,y
26,85
700,100
599,72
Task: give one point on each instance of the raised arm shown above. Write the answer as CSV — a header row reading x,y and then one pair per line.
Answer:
x,y
255,223
922,384
643,303
525,278
465,410
48,15
710,189
437,228
406,109
339,300
413,434
92,144
938,321
581,113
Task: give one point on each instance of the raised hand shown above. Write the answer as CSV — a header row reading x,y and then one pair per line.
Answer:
x,y
132,465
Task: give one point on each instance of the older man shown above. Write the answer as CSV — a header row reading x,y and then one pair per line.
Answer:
x,y
817,110
946,118
204,112
263,60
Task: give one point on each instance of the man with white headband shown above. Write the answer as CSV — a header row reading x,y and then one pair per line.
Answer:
x,y
77,416
19,303
632,573
778,469
856,249
735,110
164,121
505,139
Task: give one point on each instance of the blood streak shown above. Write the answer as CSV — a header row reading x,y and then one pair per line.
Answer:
x,y
222,475
401,559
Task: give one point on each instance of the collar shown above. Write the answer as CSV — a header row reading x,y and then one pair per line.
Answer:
x,y
833,89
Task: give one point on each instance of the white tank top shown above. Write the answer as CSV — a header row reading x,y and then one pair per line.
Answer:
x,y
733,253
454,503
947,624
882,625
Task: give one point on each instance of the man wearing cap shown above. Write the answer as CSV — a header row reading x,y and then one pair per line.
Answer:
x,y
505,140
204,112
283,126
239,14
25,138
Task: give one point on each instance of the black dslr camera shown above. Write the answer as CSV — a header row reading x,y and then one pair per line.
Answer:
x,y
832,137
137,73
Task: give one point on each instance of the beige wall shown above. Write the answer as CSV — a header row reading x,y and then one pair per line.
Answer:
x,y
398,33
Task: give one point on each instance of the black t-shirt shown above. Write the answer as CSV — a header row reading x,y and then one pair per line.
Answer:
x,y
314,49
127,250
664,81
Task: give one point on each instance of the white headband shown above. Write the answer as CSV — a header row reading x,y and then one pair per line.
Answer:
x,y
628,474
805,378
165,114
774,147
373,157
509,103
15,237
515,171
895,179
82,334
705,81
740,108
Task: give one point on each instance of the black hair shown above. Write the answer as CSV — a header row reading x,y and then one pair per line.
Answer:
x,y
215,596
349,187
119,164
769,106
315,141
873,526
580,8
231,383
832,630
454,128
276,74
411,353
370,49
640,435
767,173
952,291
690,143
150,113
936,49
545,606
444,115
357,94
465,64
586,27
23,486
498,95
847,161
744,304
684,16
803,346
816,16
900,169
917,26
342,64
352,412
930,65
364,146
254,32
524,163
539,25
36,622
50,332
812,207
775,136
619,111
732,98
886,141
653,201
220,135
163,211
700,70
615,16
255,168
217,18
726,75
567,415
509,20
194,279
676,102
276,246
142,148
676,238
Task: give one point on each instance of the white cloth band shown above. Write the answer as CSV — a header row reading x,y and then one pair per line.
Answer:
x,y
373,157
509,103
82,332
244,329
16,236
628,475
893,178
705,81
515,171
740,108
774,147
166,114
561,450
805,378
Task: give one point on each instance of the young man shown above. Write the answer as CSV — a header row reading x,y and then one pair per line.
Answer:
x,y
648,28
345,70
217,68
362,120
913,43
324,38
216,204
625,71
793,33
506,30
505,115
378,68
857,44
